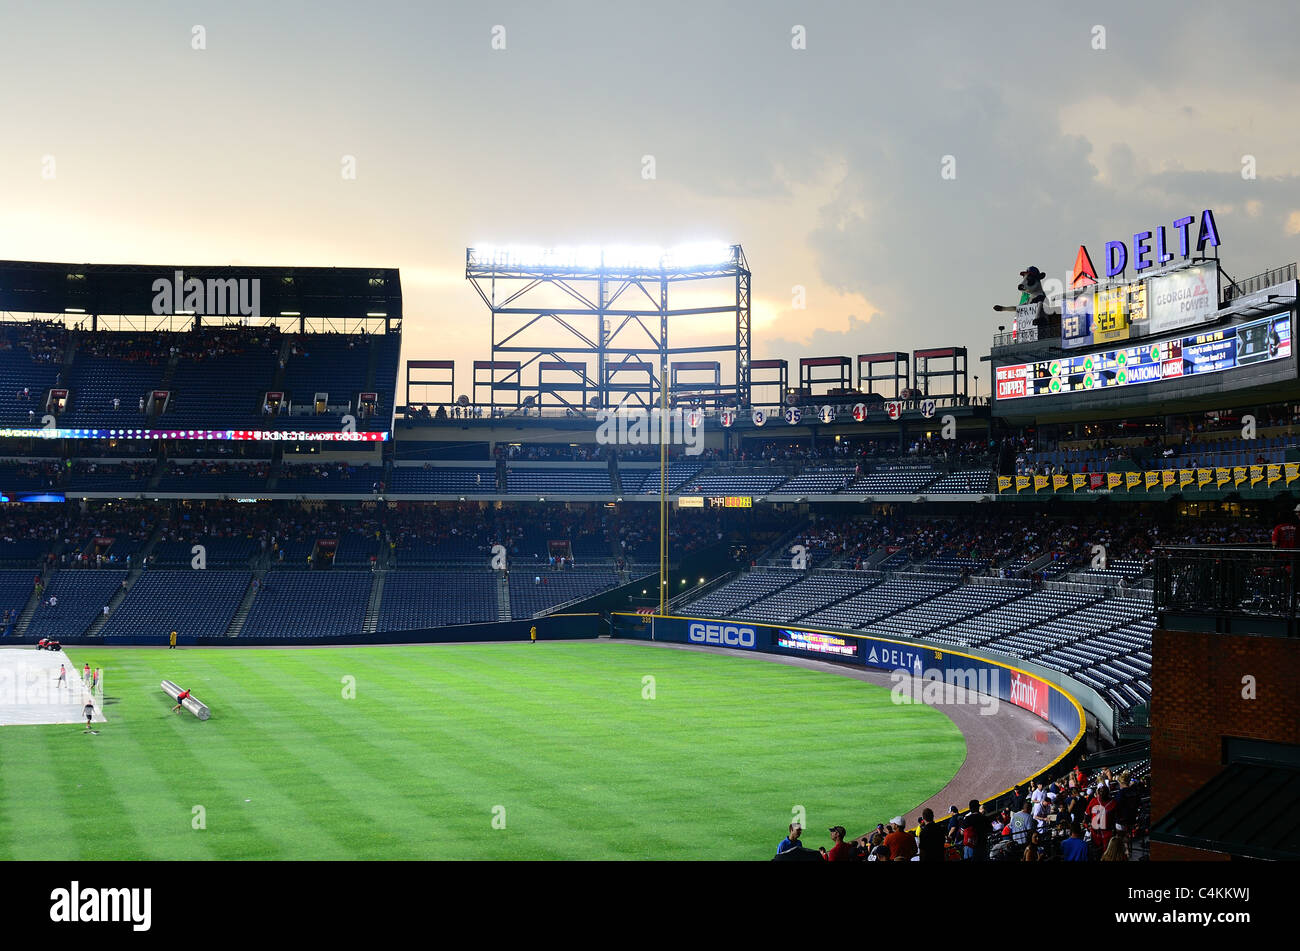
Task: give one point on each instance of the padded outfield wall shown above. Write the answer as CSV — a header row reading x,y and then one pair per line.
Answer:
x,y
551,627
1048,701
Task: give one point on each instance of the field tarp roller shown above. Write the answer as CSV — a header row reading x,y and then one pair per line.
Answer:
x,y
190,703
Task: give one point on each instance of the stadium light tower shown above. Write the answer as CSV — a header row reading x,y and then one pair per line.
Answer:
x,y
564,309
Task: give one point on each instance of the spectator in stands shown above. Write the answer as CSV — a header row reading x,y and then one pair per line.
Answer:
x,y
1074,849
1033,849
1284,533
932,838
792,839
1116,850
900,842
976,829
953,830
1022,823
839,852
1101,814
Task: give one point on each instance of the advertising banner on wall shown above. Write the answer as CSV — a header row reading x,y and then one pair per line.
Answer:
x,y
1183,298
1029,692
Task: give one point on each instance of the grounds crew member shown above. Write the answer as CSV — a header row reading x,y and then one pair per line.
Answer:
x,y
180,700
173,642
89,711
532,634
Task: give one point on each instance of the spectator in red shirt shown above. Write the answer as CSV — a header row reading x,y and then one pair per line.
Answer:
x,y
1284,534
839,851
1101,815
900,843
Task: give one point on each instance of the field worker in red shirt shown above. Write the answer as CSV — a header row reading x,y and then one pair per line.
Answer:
x,y
180,700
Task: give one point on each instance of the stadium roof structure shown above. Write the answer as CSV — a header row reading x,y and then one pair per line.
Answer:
x,y
1246,810
303,294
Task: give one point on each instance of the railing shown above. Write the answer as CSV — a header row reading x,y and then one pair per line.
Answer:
x,y
1228,582
1257,282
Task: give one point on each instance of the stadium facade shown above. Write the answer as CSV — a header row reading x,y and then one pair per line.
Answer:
x,y
259,478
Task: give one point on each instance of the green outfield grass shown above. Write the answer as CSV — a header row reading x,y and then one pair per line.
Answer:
x,y
558,735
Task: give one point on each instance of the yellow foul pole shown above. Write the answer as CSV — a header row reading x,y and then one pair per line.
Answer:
x,y
663,484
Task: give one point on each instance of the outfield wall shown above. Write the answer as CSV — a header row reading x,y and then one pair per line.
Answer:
x,y
1010,684
551,627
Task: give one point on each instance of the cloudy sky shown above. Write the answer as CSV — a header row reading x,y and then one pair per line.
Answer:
x,y
1063,123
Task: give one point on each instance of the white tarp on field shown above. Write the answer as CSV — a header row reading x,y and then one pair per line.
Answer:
x,y
30,692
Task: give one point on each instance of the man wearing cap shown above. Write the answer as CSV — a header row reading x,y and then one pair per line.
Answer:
x,y
900,843
791,841
839,851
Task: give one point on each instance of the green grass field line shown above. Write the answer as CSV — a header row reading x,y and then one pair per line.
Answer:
x,y
558,735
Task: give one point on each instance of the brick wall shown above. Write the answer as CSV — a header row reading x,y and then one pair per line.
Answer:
x,y
1196,700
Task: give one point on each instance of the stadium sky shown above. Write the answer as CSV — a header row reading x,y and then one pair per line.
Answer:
x,y
824,162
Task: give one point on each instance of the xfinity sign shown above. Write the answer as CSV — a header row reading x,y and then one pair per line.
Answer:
x,y
723,635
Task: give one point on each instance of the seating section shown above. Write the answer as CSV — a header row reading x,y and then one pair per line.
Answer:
x,y
309,604
557,480
1102,641
15,589
817,480
193,603
220,391
878,601
528,597
963,481
94,382
22,553
29,476
355,550
330,479
129,478
441,480
81,596
725,600
647,482
733,483
809,594
217,552
31,358
939,612
1117,569
215,476
333,364
419,599
902,480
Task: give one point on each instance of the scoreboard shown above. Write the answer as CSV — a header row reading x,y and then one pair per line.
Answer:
x,y
1119,312
1226,348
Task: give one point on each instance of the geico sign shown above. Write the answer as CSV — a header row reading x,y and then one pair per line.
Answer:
x,y
727,635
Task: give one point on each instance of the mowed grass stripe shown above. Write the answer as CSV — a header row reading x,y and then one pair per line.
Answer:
x,y
334,801
558,734
413,763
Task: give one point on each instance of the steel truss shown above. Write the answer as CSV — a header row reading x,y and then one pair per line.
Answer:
x,y
600,334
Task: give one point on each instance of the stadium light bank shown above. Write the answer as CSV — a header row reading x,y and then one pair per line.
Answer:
x,y
597,257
